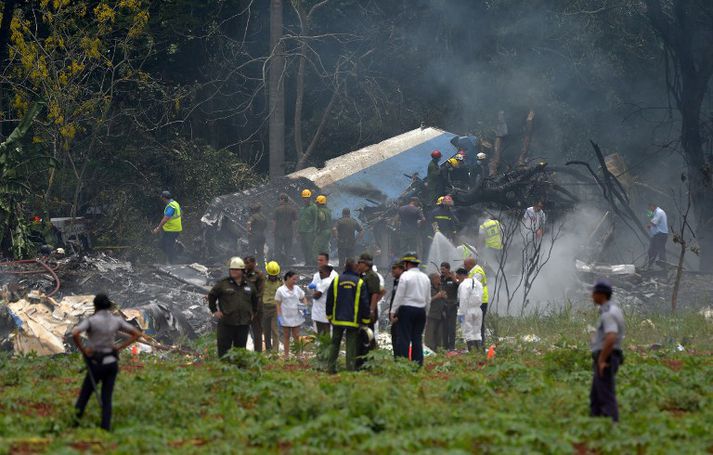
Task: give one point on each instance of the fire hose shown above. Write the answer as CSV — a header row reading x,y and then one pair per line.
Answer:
x,y
46,267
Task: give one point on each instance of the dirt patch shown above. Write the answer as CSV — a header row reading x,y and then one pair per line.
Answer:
x,y
580,448
195,442
675,365
132,367
34,408
29,446
88,446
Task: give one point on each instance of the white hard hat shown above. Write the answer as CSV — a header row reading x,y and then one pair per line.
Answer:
x,y
237,263
481,156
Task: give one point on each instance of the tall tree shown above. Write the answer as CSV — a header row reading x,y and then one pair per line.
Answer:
x,y
686,29
276,91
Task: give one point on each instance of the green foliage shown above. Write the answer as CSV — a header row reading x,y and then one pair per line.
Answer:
x,y
528,400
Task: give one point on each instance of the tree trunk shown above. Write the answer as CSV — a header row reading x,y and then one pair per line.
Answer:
x,y
299,98
276,90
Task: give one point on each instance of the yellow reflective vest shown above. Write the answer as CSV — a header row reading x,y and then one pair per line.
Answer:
x,y
478,270
493,234
174,224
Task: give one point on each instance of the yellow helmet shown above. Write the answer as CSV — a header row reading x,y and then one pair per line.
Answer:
x,y
237,263
453,162
321,199
306,193
272,268
439,201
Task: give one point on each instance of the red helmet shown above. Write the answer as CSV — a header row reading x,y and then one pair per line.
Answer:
x,y
436,154
447,199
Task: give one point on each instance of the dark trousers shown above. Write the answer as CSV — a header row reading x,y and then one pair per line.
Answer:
x,y
231,336
306,244
283,249
412,321
269,328
451,321
106,374
657,248
394,337
323,327
352,342
484,309
345,252
168,245
409,242
602,398
256,246
256,331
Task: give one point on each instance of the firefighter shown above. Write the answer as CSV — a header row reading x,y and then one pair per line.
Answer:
x,y
257,225
171,226
347,310
434,177
443,219
269,307
306,225
449,283
233,302
323,226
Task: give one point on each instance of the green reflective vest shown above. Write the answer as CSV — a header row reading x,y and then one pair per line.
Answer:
x,y
174,224
493,234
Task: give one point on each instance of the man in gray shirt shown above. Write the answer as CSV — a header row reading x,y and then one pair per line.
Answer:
x,y
606,352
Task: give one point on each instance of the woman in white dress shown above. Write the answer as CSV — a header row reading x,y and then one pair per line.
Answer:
x,y
287,298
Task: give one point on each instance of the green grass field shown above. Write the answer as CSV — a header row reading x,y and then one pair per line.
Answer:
x,y
532,398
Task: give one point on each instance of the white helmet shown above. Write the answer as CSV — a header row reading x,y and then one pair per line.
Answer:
x,y
481,156
237,263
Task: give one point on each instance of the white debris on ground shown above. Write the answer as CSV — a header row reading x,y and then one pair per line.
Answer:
x,y
104,263
44,323
530,338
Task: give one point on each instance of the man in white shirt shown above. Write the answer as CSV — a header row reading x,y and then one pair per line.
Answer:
x,y
470,296
319,285
658,229
409,308
534,221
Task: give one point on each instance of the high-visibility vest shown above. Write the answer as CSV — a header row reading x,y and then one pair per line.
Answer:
x,y
484,280
173,224
493,234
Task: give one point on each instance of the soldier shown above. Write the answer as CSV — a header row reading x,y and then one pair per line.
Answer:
x,y
257,225
323,226
348,232
607,355
306,225
435,316
257,278
283,227
233,302
410,219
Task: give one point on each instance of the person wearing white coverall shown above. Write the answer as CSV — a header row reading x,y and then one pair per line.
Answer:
x,y
470,297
